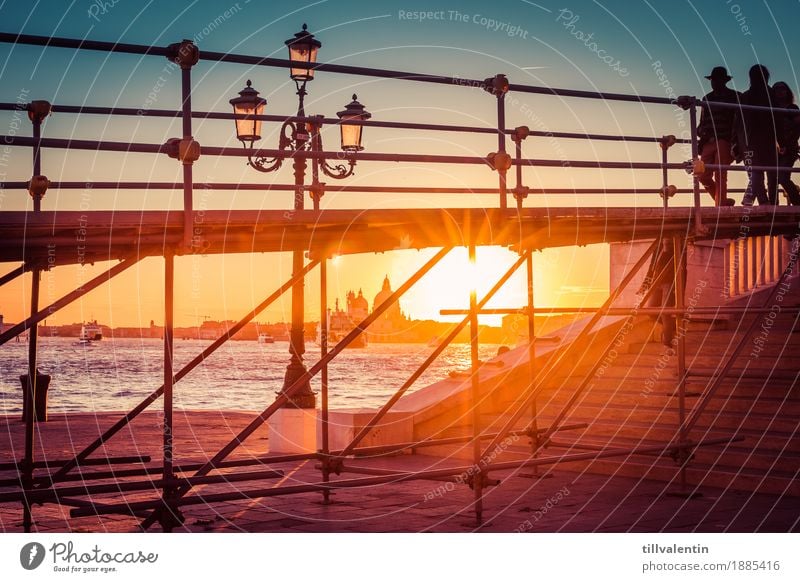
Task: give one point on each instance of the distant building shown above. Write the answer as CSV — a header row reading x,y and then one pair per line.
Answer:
x,y
341,323
392,321
357,306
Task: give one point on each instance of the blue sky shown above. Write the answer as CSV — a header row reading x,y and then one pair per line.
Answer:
x,y
649,47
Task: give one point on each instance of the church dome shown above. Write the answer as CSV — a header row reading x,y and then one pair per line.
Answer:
x,y
383,294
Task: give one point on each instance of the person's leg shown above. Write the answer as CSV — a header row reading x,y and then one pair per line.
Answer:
x,y
709,156
772,187
724,158
759,190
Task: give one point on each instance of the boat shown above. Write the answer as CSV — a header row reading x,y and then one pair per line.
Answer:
x,y
90,332
265,338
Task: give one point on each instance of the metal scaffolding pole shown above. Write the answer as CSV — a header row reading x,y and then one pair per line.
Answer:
x,y
323,350
679,250
532,391
351,447
475,386
286,394
41,314
155,395
170,517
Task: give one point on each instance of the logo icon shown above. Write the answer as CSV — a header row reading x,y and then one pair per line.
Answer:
x,y
31,555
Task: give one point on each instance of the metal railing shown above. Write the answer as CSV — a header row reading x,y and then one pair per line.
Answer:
x,y
175,489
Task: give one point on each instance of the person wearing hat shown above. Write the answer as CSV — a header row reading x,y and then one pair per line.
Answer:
x,y
715,134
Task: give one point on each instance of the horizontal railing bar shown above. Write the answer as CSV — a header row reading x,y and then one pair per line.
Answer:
x,y
48,464
128,48
743,106
130,111
327,155
395,448
431,474
37,495
140,471
127,147
328,188
628,310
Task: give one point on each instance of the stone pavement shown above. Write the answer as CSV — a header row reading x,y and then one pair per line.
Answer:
x,y
565,501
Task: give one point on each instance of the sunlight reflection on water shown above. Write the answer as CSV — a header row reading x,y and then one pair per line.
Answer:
x,y
117,374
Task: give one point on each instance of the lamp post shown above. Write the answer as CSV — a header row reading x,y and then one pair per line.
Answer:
x,y
294,139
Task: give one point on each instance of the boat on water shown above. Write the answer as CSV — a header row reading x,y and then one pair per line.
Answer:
x,y
265,338
90,332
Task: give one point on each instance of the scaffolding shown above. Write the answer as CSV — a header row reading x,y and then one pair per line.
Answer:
x,y
522,228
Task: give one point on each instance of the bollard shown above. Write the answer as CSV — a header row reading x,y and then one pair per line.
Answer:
x,y
40,409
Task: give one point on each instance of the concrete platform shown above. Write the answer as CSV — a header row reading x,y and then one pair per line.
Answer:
x,y
569,501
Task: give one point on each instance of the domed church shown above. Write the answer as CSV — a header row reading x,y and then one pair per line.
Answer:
x,y
392,320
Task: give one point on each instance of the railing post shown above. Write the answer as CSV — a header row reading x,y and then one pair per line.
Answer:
x,y
323,348
477,479
170,515
37,111
679,251
532,368
498,86
186,54
698,220
667,191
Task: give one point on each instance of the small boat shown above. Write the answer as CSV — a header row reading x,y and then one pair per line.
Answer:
x,y
265,338
90,332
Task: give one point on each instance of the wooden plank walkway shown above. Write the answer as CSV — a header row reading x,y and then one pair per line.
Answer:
x,y
67,237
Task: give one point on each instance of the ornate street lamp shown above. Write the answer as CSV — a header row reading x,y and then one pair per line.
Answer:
x,y
296,137
303,49
351,132
248,103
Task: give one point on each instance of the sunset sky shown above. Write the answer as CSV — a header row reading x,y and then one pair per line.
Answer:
x,y
652,48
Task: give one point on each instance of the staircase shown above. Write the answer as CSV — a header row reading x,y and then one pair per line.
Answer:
x,y
632,402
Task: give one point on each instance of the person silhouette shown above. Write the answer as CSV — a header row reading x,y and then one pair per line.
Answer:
x,y
715,134
758,136
788,130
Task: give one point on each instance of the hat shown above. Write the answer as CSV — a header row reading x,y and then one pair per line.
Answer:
x,y
719,72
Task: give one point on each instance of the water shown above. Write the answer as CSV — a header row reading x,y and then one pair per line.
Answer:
x,y
113,375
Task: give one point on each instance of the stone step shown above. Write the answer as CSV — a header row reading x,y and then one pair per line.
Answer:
x,y
665,382
774,343
636,431
650,415
639,365
733,398
750,454
697,474
732,404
